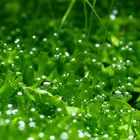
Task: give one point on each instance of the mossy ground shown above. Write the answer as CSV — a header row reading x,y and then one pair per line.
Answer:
x,y
69,75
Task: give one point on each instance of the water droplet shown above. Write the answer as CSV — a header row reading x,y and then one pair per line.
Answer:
x,y
80,115
44,76
134,121
73,59
97,45
85,52
79,41
52,137
118,92
74,120
130,137
18,46
30,138
9,105
33,109
22,125
55,34
17,40
73,114
33,36
115,11
41,134
64,136
67,54
46,83
112,17
130,16
9,112
59,109
80,134
108,45
7,121
93,60
121,110
45,39
19,93
127,93
107,111
89,115
129,85
14,111
38,78
17,57
128,62
42,116
106,136
9,49
32,124
2,122
31,52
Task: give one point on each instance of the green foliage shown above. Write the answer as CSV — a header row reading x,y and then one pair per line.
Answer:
x,y
69,71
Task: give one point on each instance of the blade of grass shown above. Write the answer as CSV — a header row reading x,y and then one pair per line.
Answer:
x,y
99,18
86,18
93,9
90,22
67,12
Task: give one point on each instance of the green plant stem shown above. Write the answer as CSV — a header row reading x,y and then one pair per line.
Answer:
x,y
91,17
67,12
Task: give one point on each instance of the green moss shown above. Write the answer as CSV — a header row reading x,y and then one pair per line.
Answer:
x,y
69,70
